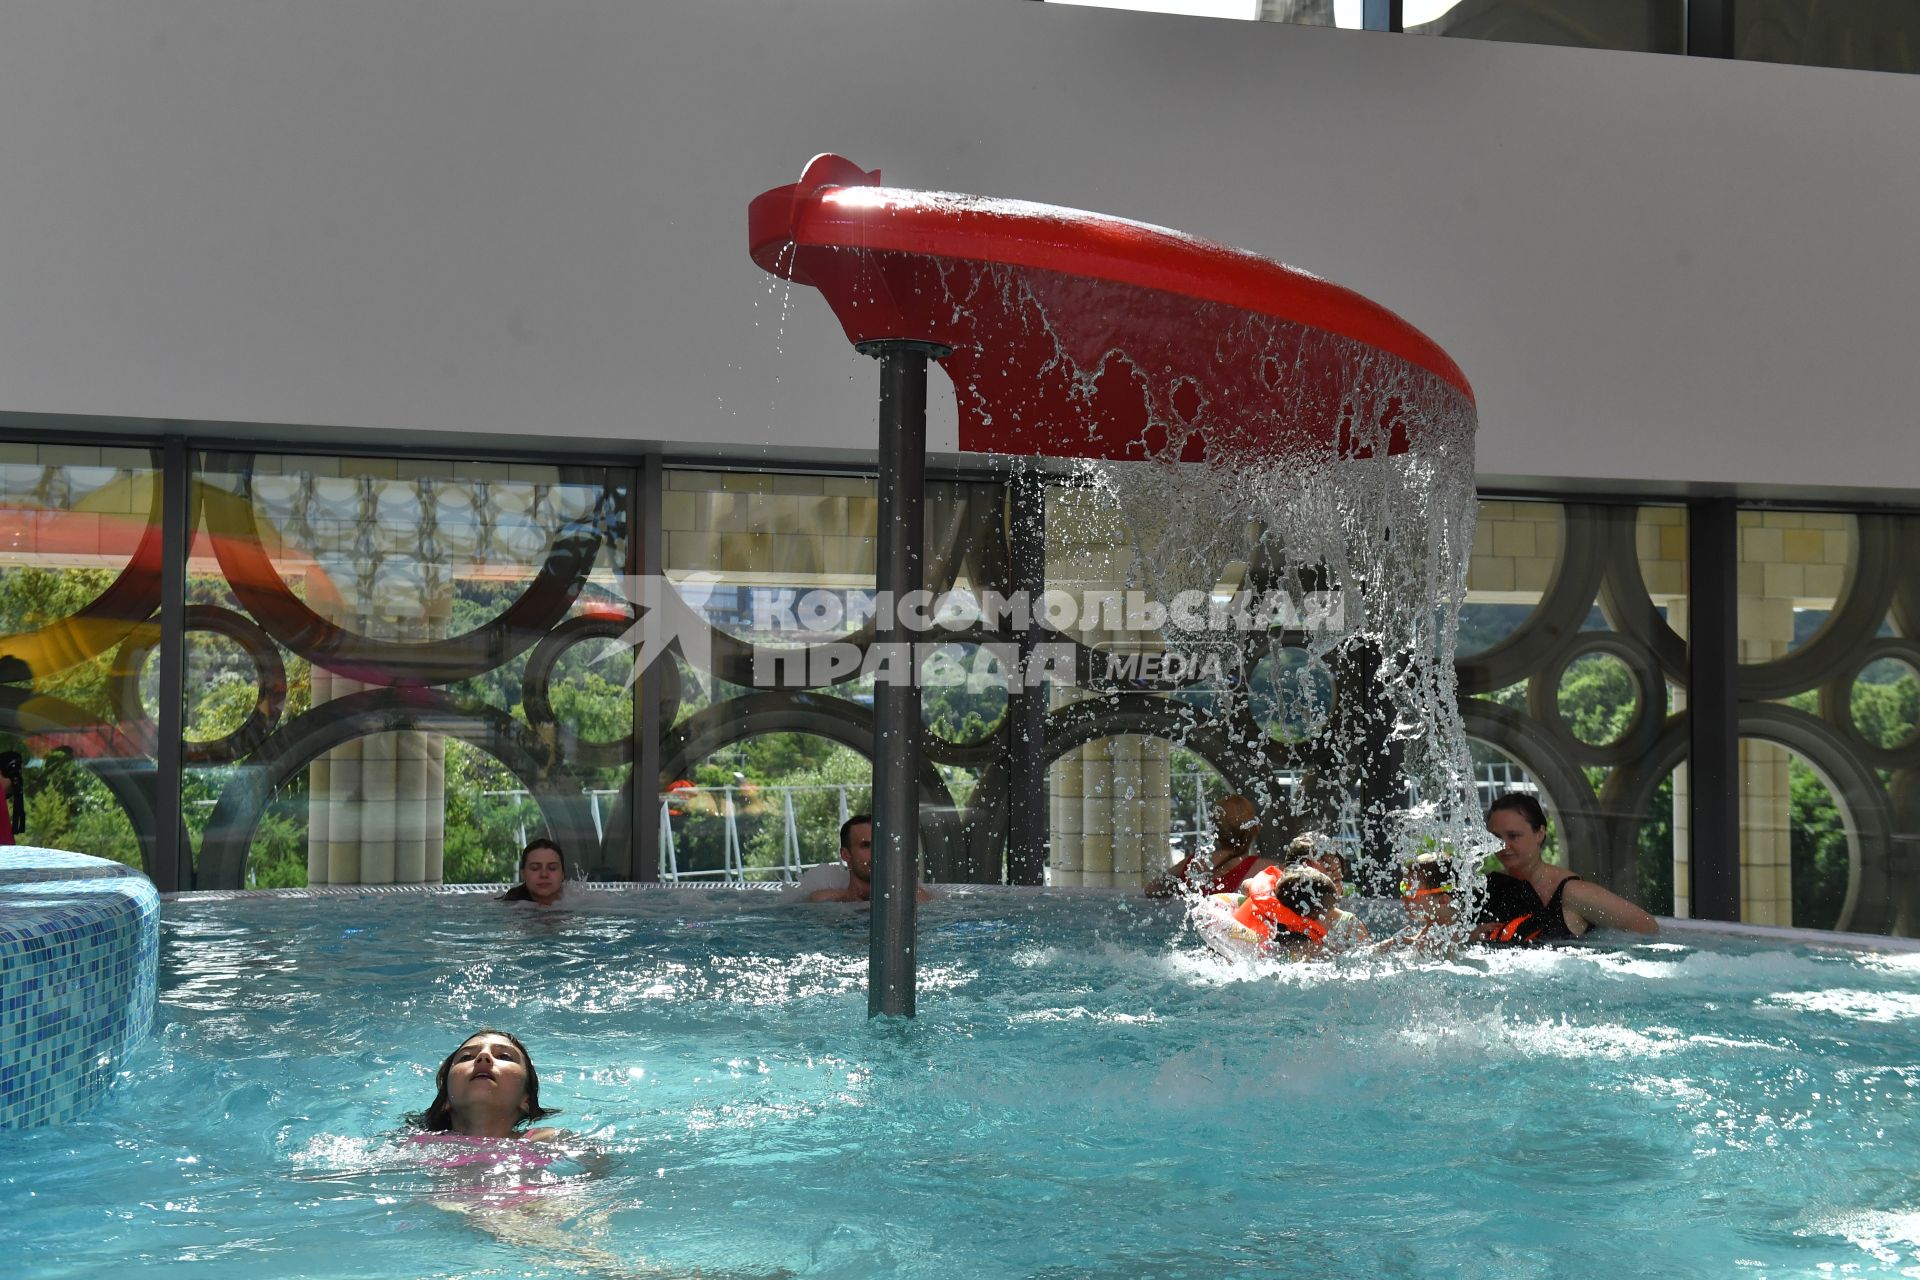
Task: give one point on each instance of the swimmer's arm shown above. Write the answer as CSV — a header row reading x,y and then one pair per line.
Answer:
x,y
1604,910
1168,882
1259,869
924,894
542,1135
827,895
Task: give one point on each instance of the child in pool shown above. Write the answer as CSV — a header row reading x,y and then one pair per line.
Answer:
x,y
1427,893
481,1123
487,1088
1311,849
1290,910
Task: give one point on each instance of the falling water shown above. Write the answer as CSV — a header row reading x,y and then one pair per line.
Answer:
x,y
1329,512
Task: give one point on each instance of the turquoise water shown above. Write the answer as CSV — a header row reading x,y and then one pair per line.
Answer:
x,y
1087,1092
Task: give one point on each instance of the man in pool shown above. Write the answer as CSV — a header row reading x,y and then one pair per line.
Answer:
x,y
852,880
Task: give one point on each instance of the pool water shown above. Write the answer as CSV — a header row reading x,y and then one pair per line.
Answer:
x,y
1087,1092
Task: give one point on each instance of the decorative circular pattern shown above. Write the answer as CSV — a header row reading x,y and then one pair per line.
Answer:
x,y
1849,629
270,682
732,659
964,668
1608,669
1624,599
1645,685
538,703
298,743
1837,704
1869,901
52,724
106,620
1565,604
1598,561
824,716
1887,671
287,618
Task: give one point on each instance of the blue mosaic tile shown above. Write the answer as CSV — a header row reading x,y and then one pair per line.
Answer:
x,y
79,977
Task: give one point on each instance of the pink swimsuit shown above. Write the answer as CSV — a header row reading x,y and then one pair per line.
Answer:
x,y
510,1158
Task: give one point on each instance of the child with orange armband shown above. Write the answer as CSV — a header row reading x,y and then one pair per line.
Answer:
x,y
1427,892
1290,911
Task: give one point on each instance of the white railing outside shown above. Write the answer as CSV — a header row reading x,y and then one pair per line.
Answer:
x,y
732,803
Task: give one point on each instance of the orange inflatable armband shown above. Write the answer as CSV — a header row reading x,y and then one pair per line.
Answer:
x,y
1261,911
1254,912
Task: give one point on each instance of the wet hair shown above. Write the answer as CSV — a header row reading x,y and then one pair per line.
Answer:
x,y
1430,871
1311,846
1306,892
846,828
1236,824
1523,803
520,892
438,1117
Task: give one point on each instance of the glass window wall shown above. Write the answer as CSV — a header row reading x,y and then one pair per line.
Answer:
x,y
1572,665
80,557
1865,35
399,670
1829,718
1648,26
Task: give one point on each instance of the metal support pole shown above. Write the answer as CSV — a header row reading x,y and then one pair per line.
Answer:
x,y
645,537
172,865
1027,711
1713,708
1381,15
1710,28
896,694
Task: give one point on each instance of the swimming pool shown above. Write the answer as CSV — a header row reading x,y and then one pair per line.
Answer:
x,y
1086,1092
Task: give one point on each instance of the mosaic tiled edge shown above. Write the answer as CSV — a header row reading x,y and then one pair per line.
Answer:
x,y
79,968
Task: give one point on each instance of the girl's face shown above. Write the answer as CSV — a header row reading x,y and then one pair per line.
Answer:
x,y
543,874
488,1071
1520,842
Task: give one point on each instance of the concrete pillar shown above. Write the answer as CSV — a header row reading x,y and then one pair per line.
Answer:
x,y
376,808
1788,561
1066,818
1660,537
1110,814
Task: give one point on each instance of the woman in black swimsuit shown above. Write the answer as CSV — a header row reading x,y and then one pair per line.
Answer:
x,y
1530,899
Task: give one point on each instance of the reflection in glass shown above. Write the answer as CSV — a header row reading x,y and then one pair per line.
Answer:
x,y
427,631
722,821
1648,26
1598,699
1884,703
79,589
1575,623
1866,35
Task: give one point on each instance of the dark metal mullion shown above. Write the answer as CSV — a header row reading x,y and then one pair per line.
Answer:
x,y
172,853
1382,15
1713,709
645,556
1709,32
1027,800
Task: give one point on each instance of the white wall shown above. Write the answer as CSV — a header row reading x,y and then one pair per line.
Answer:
x,y
528,219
